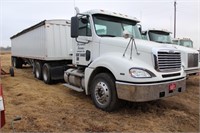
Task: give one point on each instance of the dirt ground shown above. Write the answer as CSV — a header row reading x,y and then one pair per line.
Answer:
x,y
55,108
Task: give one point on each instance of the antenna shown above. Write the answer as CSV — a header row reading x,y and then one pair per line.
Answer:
x,y
174,18
77,10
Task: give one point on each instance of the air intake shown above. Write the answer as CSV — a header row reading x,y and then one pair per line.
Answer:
x,y
166,61
192,60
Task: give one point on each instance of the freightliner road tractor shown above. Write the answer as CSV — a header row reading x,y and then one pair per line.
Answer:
x,y
102,54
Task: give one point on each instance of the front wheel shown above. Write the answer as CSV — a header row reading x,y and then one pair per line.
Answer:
x,y
103,92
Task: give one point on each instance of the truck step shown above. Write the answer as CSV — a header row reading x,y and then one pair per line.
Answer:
x,y
73,87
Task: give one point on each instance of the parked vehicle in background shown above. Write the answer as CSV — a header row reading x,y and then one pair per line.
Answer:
x,y
186,42
104,57
190,56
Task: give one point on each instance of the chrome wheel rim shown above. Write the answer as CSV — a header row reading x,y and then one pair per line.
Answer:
x,y
37,71
102,93
14,63
45,74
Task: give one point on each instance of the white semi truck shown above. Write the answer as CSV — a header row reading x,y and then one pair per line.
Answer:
x,y
186,42
189,56
104,57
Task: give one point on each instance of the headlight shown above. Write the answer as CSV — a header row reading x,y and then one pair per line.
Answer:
x,y
140,73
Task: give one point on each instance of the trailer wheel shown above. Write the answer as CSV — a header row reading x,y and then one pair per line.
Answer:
x,y
46,73
103,92
17,62
11,72
38,70
14,62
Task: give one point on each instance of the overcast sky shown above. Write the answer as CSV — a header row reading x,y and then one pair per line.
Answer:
x,y
17,15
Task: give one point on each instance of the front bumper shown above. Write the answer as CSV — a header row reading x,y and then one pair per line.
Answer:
x,y
148,92
192,71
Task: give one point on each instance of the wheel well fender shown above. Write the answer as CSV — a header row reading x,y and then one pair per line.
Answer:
x,y
96,71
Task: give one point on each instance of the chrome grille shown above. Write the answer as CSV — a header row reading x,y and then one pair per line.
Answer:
x,y
193,60
168,61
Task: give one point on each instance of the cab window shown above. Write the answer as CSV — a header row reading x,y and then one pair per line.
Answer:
x,y
84,26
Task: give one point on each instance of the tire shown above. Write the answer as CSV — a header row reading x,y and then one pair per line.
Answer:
x,y
17,62
46,73
103,92
12,61
11,72
38,70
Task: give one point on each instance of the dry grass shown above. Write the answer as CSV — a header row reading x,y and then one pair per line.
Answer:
x,y
5,52
46,108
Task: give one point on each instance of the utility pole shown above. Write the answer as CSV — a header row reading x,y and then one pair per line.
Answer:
x,y
174,18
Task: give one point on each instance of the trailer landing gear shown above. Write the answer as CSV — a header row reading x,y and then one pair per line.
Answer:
x,y
11,72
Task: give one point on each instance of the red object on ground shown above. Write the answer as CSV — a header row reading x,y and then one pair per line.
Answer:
x,y
2,108
3,72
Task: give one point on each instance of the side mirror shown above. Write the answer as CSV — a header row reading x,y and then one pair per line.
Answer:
x,y
74,27
84,20
140,28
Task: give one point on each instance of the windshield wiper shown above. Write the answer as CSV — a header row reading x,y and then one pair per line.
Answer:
x,y
164,42
168,42
107,35
160,42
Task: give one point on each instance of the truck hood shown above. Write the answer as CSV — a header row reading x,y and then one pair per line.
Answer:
x,y
184,49
142,45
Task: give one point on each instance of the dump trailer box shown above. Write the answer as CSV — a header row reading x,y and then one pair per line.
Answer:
x,y
48,40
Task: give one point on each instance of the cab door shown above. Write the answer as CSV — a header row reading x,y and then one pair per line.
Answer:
x,y
83,47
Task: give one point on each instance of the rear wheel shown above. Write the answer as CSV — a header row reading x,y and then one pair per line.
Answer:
x,y
38,70
46,73
12,61
17,62
103,92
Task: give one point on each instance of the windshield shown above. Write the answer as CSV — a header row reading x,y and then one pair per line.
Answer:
x,y
159,36
186,43
175,42
113,26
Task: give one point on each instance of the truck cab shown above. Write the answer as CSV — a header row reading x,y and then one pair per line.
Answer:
x,y
189,55
186,42
112,62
